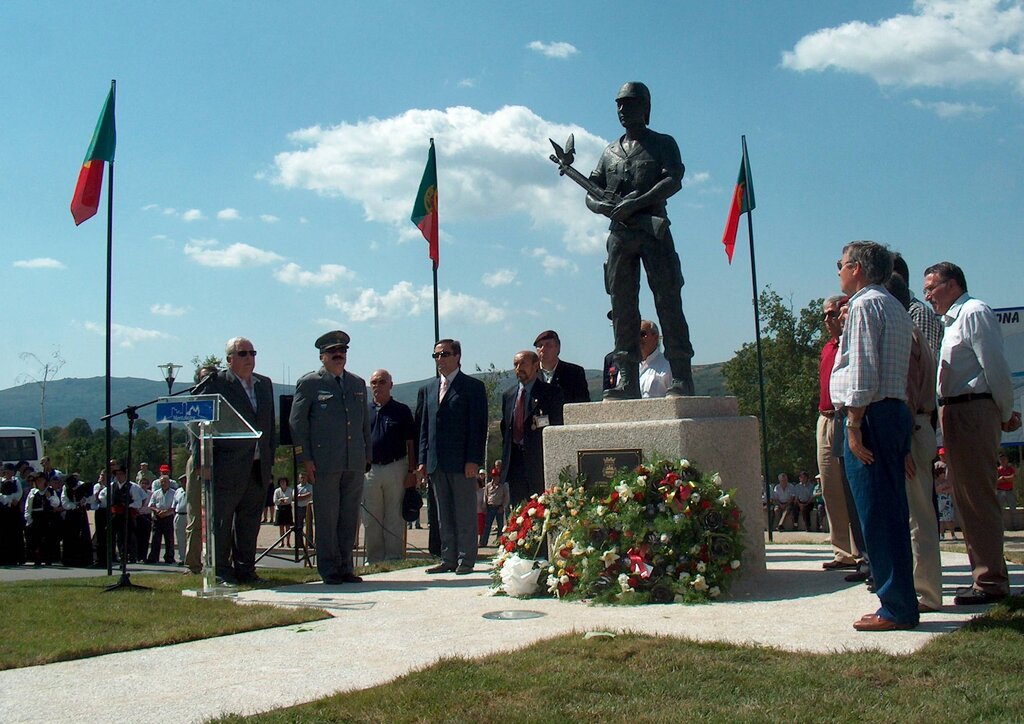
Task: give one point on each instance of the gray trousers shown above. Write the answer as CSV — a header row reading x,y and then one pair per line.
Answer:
x,y
336,499
456,516
237,505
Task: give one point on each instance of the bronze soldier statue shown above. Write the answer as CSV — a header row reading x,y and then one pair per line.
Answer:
x,y
638,173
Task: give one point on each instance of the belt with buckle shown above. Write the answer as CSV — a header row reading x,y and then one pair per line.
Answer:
x,y
943,401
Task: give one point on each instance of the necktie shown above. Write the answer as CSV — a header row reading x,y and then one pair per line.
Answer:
x,y
444,388
517,418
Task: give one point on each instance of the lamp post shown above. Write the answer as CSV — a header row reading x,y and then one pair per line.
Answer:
x,y
169,370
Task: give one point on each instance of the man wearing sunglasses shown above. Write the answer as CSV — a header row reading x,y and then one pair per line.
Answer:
x,y
241,468
453,434
331,430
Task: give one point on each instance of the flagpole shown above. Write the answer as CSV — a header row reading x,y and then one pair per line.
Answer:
x,y
110,257
437,326
757,333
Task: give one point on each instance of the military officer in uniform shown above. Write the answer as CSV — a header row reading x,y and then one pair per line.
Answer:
x,y
645,169
331,430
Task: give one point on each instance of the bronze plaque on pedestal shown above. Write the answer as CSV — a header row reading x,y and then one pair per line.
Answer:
x,y
599,466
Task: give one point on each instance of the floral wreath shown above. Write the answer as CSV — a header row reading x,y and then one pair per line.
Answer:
x,y
665,533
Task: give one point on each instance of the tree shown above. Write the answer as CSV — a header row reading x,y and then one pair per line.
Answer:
x,y
494,383
46,371
791,346
210,360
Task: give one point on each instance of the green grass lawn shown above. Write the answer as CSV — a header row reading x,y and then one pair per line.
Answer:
x,y
72,618
971,675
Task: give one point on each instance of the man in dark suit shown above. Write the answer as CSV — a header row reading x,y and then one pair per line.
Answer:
x,y
241,468
526,410
453,433
331,428
571,378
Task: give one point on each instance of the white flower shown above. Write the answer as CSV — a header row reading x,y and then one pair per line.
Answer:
x,y
610,557
563,578
684,464
701,567
578,549
678,518
600,510
641,479
624,583
695,498
717,479
724,500
519,576
519,520
547,513
735,564
664,537
543,499
700,584
622,489
551,569
694,550
715,592
684,577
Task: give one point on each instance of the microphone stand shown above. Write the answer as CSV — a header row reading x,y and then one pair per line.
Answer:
x,y
131,414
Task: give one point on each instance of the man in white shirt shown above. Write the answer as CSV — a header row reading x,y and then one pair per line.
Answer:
x,y
655,373
975,406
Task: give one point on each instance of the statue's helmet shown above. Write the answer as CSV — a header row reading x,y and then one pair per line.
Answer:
x,y
636,89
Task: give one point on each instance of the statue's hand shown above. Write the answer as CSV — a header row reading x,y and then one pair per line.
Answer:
x,y
626,208
599,207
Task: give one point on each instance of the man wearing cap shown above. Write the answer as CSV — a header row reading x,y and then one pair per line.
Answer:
x,y
526,410
241,468
453,434
644,168
331,432
570,377
393,470
975,407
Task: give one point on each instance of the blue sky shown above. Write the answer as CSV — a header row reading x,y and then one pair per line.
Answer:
x,y
268,154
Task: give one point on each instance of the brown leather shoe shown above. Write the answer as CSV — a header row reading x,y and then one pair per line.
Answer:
x,y
874,622
925,608
838,565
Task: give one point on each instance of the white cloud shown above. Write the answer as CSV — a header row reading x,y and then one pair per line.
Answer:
x,y
466,83
269,218
124,336
696,179
559,50
228,214
294,275
944,109
552,264
202,252
489,165
192,215
499,277
404,300
943,43
169,211
42,262
167,310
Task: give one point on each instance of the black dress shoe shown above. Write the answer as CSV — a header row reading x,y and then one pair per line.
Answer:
x,y
856,576
251,579
977,597
440,568
463,570
333,580
351,578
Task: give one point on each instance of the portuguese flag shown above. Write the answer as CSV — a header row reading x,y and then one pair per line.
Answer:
x,y
742,202
86,200
424,211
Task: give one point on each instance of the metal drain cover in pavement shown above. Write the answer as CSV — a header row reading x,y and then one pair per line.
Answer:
x,y
512,615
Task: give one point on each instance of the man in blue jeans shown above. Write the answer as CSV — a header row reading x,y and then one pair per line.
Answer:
x,y
869,381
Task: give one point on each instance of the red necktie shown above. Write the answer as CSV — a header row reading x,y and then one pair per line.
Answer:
x,y
517,418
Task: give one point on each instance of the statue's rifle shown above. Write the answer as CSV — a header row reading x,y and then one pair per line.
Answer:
x,y
654,225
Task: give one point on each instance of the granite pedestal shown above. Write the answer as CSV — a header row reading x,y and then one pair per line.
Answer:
x,y
708,431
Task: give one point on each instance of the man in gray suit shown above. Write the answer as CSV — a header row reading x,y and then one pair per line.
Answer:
x,y
453,433
331,430
241,469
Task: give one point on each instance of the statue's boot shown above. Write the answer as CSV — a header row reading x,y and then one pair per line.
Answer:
x,y
682,379
628,385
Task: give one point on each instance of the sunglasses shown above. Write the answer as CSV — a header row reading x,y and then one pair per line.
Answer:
x,y
840,264
830,314
245,352
445,353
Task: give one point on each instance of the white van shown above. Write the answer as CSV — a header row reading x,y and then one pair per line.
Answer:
x,y
21,443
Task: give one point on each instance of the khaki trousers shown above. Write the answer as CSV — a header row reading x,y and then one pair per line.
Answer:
x,y
924,526
832,491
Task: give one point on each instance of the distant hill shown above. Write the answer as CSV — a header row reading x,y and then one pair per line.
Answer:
x,y
69,398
